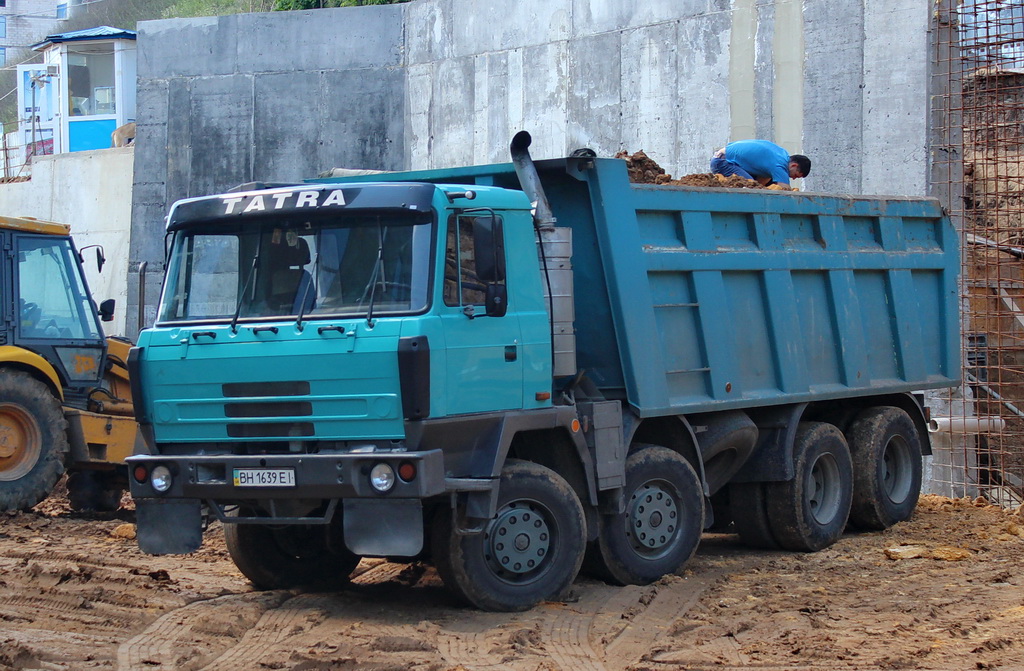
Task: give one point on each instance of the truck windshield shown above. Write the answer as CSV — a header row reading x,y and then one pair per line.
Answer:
x,y
282,268
52,297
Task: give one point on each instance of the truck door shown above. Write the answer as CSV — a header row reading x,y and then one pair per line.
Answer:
x,y
55,316
485,369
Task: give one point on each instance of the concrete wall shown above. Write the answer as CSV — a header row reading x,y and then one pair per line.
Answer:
x,y
90,191
435,83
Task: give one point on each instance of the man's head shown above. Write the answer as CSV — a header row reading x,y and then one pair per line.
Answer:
x,y
799,166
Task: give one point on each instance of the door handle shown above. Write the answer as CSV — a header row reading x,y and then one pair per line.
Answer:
x,y
511,352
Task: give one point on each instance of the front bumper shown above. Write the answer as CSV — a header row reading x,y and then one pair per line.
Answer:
x,y
317,476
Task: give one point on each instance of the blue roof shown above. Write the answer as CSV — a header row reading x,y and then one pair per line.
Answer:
x,y
98,33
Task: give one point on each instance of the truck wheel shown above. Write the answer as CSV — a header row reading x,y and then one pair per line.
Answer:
x,y
661,526
288,555
810,511
886,450
750,515
33,440
530,551
92,490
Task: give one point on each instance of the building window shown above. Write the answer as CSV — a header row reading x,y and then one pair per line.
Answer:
x,y
62,10
3,56
3,27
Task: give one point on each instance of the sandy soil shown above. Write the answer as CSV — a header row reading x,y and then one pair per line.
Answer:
x,y
942,591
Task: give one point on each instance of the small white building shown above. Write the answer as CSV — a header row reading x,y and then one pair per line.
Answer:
x,y
81,92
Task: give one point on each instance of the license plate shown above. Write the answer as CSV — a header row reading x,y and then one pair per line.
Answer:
x,y
264,477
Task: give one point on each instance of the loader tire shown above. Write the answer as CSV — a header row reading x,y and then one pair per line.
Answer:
x,y
33,440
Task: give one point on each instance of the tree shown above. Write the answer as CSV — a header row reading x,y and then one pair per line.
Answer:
x,y
287,5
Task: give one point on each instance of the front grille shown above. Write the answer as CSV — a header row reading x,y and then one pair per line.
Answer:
x,y
264,389
271,430
269,409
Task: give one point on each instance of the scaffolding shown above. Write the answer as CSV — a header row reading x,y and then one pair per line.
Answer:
x,y
978,169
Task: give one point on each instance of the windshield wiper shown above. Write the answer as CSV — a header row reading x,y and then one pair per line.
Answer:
x,y
381,233
305,291
245,287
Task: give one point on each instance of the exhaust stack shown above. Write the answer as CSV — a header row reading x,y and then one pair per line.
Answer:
x,y
530,181
554,247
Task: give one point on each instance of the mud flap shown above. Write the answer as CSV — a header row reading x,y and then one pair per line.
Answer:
x,y
168,527
384,528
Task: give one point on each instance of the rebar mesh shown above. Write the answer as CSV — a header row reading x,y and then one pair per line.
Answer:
x,y
979,152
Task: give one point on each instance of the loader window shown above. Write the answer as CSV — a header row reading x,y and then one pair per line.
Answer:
x,y
53,302
466,276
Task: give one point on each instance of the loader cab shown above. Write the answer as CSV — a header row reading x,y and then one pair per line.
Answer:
x,y
48,309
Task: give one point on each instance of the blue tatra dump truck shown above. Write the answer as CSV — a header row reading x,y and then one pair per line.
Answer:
x,y
505,369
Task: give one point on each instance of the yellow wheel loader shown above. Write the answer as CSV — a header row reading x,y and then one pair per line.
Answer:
x,y
65,400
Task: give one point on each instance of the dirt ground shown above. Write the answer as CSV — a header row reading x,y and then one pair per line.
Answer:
x,y
942,591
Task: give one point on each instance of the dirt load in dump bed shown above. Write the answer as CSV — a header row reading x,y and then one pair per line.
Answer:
x,y
944,590
645,170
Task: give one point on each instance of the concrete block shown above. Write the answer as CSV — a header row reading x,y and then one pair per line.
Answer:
x,y
419,96
545,89
428,31
177,151
649,81
221,118
594,98
361,120
479,27
188,47
833,98
764,74
591,17
451,127
320,39
702,91
896,99
287,112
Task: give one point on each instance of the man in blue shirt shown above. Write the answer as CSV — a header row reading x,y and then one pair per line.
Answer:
x,y
760,160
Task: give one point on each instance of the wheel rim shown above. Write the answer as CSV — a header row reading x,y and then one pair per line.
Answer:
x,y
20,442
519,541
897,473
652,519
823,489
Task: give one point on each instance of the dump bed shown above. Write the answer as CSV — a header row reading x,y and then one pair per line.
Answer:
x,y
691,299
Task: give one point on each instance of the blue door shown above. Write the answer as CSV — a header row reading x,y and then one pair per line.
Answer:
x,y
484,354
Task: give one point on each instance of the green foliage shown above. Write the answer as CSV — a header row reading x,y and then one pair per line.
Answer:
x,y
287,5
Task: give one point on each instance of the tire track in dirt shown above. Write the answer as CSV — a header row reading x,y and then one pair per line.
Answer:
x,y
292,618
163,643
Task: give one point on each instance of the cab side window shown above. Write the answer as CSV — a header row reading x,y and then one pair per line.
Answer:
x,y
474,258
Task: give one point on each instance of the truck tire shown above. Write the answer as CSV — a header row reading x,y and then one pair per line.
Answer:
x,y
750,515
288,555
94,490
886,450
529,552
660,528
810,511
33,440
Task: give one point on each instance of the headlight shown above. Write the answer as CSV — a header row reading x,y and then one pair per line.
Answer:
x,y
382,477
160,479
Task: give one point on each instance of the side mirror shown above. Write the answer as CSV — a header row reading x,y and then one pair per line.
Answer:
x,y
496,300
100,258
107,310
